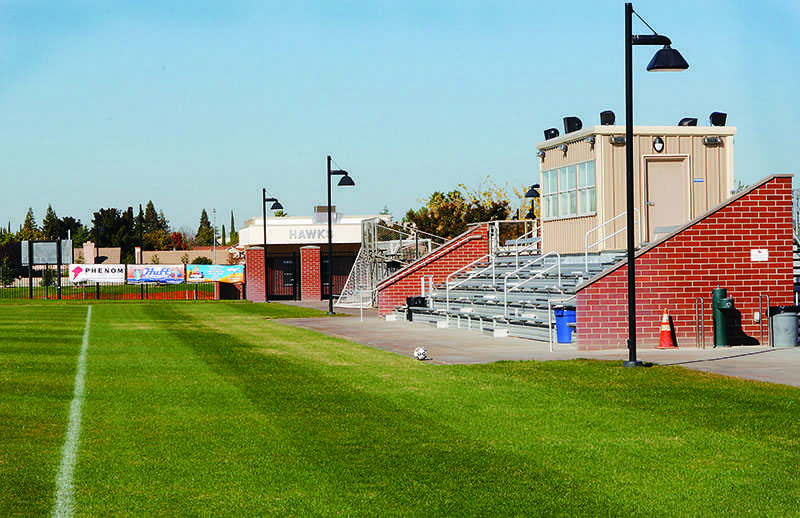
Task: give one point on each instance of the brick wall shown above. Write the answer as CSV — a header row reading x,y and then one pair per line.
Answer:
x,y
712,251
310,279
254,274
459,252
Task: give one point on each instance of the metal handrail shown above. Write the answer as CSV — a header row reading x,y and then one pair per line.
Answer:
x,y
586,244
448,287
700,319
536,276
761,320
517,250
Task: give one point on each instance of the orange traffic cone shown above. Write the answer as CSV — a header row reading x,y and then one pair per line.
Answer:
x,y
665,341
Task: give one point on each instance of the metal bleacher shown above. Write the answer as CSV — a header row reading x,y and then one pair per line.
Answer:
x,y
512,291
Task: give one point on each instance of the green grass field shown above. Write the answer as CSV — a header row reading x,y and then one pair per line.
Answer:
x,y
215,409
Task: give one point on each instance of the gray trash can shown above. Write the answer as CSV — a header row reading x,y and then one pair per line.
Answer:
x,y
784,326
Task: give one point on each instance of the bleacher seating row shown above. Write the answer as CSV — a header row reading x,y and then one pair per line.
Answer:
x,y
514,296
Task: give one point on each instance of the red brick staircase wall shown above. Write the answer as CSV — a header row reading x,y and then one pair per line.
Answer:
x,y
457,253
712,251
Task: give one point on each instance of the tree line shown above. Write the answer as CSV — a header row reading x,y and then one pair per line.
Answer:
x,y
126,229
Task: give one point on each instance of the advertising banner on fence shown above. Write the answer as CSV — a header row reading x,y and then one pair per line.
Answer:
x,y
163,273
111,273
215,272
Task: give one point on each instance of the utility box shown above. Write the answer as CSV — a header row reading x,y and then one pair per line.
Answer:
x,y
784,325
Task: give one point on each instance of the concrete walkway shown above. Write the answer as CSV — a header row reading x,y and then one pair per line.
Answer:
x,y
461,346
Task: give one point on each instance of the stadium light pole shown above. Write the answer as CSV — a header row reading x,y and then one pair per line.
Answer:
x,y
344,181
666,59
214,233
276,205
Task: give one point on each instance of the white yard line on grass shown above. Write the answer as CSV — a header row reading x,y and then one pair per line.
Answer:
x,y
64,505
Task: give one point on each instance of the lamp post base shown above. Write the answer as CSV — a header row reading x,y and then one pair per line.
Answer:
x,y
635,363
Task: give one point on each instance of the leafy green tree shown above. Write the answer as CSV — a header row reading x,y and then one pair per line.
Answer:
x,y
205,234
51,225
7,274
201,260
448,214
72,228
48,278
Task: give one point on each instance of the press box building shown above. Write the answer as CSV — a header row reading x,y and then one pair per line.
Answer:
x,y
680,172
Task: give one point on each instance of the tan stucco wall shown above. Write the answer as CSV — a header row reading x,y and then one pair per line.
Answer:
x,y
711,166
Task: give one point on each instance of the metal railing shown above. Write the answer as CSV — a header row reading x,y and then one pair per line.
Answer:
x,y
529,240
449,287
536,275
502,231
587,246
761,319
699,319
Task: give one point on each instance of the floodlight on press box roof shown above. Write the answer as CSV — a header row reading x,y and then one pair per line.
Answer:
x,y
607,118
550,133
688,121
718,118
572,124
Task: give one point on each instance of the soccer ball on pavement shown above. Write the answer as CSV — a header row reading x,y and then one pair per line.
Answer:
x,y
420,353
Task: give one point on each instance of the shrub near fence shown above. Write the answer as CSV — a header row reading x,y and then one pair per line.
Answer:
x,y
44,285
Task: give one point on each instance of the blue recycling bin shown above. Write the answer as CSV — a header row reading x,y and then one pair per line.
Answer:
x,y
564,331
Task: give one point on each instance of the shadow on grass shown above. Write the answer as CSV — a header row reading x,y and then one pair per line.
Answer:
x,y
377,456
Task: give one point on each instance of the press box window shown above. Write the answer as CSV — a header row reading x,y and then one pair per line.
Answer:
x,y
569,191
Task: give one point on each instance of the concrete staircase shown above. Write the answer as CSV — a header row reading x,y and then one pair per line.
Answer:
x,y
514,296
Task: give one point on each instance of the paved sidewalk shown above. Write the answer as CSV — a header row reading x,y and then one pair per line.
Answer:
x,y
461,346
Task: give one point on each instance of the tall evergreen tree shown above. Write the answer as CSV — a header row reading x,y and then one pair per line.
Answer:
x,y
205,234
51,227
163,224
234,238
29,229
140,225
223,235
150,218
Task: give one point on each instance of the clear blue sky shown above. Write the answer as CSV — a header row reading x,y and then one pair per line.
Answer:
x,y
201,104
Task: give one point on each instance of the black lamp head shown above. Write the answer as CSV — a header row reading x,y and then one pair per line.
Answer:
x,y
346,181
718,118
572,124
532,192
667,59
276,206
688,121
550,133
607,118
